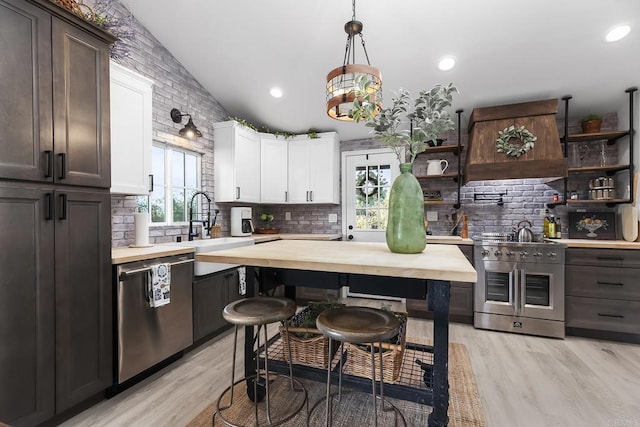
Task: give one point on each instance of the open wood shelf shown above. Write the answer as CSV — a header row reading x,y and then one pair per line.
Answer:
x,y
597,202
612,168
453,176
442,149
597,136
439,202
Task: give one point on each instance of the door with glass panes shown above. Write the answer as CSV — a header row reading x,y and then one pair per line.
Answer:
x,y
367,177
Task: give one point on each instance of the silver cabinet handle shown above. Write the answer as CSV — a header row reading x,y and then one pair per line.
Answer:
x,y
237,193
144,269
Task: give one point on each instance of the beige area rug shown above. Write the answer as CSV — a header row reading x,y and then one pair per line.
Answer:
x,y
465,408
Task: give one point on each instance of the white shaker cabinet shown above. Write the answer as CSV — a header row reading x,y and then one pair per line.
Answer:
x,y
236,154
273,171
131,131
314,169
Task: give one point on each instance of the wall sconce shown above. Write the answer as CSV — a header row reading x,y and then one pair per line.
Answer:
x,y
189,130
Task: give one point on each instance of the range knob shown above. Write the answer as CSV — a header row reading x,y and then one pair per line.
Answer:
x,y
551,254
497,253
537,254
484,252
524,254
510,254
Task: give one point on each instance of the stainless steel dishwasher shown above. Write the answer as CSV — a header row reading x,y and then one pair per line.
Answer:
x,y
146,335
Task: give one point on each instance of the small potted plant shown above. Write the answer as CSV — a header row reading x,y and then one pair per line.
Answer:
x,y
591,123
267,217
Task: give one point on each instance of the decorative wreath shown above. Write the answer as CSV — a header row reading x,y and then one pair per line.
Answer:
x,y
361,185
526,138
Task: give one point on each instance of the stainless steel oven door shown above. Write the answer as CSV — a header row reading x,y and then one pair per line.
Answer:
x,y
541,291
496,289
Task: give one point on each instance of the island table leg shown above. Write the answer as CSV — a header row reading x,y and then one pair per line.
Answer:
x,y
249,356
439,293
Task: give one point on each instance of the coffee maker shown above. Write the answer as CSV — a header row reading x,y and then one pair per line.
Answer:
x,y
241,223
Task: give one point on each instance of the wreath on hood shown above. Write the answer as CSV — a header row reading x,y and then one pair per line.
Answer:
x,y
504,144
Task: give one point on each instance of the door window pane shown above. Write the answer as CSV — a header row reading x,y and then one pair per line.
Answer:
x,y
537,290
372,184
177,169
497,287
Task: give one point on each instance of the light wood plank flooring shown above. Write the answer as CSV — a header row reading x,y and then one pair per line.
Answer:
x,y
523,381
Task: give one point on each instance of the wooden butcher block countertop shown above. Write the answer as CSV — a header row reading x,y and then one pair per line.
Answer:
x,y
120,255
598,244
261,238
439,262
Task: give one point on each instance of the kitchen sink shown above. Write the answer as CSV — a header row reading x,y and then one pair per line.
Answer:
x,y
209,245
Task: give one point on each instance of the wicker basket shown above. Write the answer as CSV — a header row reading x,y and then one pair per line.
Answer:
x,y
359,360
308,346
77,8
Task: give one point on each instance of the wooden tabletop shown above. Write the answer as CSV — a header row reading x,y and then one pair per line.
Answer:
x,y
598,244
439,262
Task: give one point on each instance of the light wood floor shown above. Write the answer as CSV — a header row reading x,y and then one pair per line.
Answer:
x,y
523,381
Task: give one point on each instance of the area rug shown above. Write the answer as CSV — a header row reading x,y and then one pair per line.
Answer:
x,y
465,408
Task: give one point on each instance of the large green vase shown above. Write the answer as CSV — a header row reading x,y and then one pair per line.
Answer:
x,y
405,227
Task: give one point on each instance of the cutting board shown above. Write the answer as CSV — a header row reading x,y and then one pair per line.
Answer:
x,y
629,227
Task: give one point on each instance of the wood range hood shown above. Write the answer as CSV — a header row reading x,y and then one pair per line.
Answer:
x,y
544,160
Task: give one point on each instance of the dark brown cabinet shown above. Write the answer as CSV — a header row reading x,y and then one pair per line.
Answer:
x,y
55,86
55,299
55,250
603,293
210,295
461,301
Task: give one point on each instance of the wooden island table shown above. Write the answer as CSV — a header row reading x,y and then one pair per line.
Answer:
x,y
437,264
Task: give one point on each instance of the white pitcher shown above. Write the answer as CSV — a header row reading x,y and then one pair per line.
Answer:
x,y
437,167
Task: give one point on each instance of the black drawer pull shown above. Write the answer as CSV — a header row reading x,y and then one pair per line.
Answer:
x,y
610,258
617,316
609,283
49,172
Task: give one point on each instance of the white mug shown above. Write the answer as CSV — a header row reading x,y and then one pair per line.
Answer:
x,y
437,167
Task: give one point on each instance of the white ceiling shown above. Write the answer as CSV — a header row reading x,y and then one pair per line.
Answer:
x,y
507,51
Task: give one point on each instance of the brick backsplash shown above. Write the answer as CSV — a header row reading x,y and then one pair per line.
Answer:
x,y
175,87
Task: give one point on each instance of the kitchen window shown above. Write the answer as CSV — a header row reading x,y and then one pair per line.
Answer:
x,y
176,178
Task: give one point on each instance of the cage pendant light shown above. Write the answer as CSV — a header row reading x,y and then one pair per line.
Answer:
x,y
341,80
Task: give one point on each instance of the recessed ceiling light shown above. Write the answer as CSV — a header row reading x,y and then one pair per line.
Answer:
x,y
447,63
276,92
617,33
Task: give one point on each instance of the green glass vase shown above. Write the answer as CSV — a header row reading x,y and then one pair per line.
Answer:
x,y
405,226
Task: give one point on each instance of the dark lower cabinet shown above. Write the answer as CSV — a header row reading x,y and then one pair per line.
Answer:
x,y
210,295
460,304
603,293
55,300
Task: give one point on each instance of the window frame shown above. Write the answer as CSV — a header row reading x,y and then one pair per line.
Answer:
x,y
168,184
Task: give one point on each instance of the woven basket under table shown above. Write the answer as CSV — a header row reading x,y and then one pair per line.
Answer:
x,y
359,360
308,346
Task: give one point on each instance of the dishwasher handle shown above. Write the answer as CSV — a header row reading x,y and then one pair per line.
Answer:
x,y
145,269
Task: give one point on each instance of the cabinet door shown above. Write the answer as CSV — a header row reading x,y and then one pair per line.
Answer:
x,y
26,135
247,165
210,295
298,171
83,295
273,169
27,351
80,107
131,131
324,170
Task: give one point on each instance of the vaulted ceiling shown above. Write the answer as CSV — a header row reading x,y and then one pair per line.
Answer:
x,y
507,51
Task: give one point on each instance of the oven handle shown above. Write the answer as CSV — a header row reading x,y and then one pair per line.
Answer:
x,y
523,291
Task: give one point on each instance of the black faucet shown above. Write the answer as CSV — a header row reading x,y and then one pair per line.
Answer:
x,y
205,222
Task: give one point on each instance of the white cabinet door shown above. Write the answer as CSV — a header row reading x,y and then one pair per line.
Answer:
x,y
324,169
314,169
298,171
273,169
236,158
131,131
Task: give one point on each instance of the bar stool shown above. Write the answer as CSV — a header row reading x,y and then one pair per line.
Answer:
x,y
358,325
260,311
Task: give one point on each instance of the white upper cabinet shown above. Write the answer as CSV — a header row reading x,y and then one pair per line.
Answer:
x,y
314,169
273,169
236,156
131,131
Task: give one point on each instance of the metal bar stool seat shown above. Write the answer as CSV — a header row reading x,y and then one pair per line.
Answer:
x,y
260,311
358,325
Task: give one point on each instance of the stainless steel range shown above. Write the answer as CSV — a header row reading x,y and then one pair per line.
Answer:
x,y
520,286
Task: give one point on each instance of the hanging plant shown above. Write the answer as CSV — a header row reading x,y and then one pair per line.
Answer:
x,y
504,145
